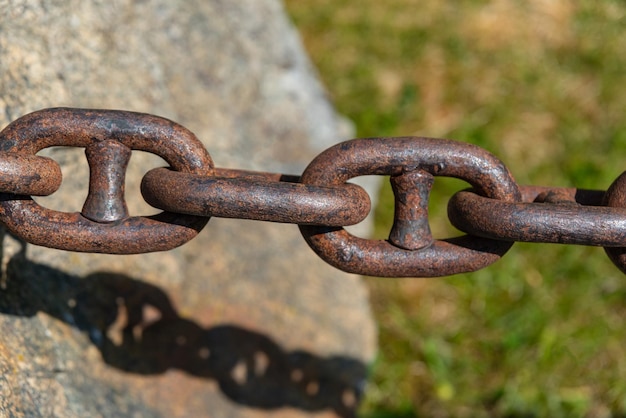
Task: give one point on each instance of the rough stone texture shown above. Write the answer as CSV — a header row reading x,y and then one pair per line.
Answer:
x,y
244,321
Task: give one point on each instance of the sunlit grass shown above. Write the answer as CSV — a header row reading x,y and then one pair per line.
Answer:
x,y
539,84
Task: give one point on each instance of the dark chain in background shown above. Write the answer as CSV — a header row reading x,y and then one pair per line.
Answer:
x,y
495,212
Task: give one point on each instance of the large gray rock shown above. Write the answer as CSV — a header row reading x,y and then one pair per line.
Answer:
x,y
242,321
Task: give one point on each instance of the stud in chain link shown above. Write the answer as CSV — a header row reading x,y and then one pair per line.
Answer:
x,y
411,229
409,161
108,161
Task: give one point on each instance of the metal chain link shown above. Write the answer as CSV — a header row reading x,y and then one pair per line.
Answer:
x,y
495,212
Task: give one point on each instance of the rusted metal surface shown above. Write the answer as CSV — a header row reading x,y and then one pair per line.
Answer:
x,y
554,217
28,175
73,232
251,196
616,198
81,128
495,212
108,161
395,156
410,229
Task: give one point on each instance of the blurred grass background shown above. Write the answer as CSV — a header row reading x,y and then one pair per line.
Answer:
x,y
539,83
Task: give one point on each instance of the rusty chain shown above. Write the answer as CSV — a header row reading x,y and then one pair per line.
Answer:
x,y
494,213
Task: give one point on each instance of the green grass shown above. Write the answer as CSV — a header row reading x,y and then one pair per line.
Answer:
x,y
540,84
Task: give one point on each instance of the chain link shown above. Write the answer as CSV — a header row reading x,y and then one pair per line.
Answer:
x,y
495,212
411,163
103,226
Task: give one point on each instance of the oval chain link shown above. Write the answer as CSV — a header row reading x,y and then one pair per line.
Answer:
x,y
257,196
558,218
104,225
413,252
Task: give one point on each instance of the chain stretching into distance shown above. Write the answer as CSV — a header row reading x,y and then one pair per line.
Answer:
x,y
495,212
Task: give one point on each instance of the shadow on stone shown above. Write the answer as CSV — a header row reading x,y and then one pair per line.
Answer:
x,y
136,329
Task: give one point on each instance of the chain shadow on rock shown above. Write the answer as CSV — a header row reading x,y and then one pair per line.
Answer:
x,y
136,329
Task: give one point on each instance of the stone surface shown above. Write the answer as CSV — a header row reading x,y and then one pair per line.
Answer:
x,y
243,321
